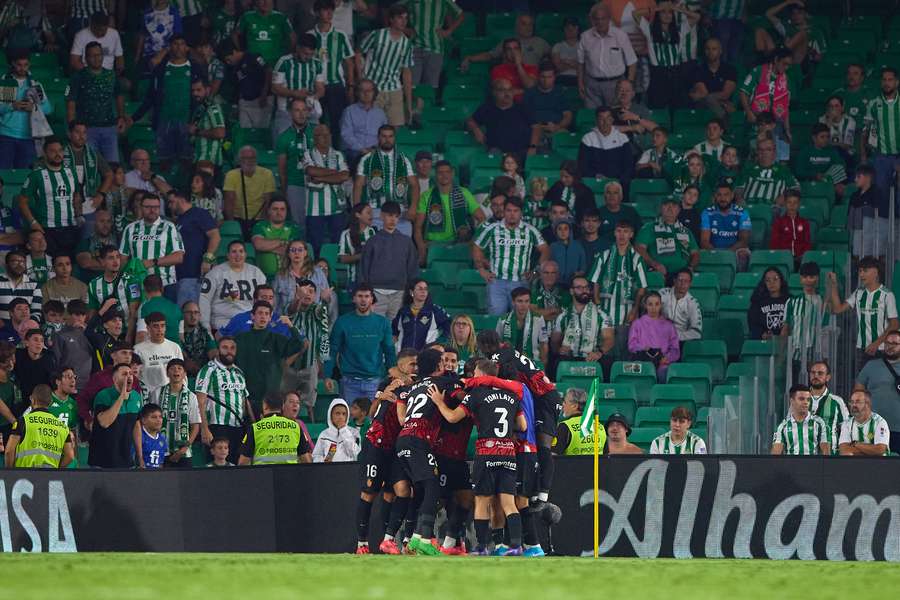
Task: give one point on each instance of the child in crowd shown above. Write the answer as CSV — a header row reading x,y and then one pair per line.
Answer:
x,y
790,231
219,449
536,206
510,167
151,446
339,442
689,216
566,252
53,319
660,160
359,415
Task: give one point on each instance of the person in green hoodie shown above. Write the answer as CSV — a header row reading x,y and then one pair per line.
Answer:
x,y
362,344
262,353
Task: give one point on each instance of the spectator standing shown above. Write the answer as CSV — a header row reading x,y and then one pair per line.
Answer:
x,y
801,432
842,129
566,252
605,151
620,278
63,405
362,345
868,219
99,32
509,245
876,310
50,202
15,283
386,175
881,124
326,172
605,56
155,303
867,433
198,345
712,82
612,212
653,337
353,238
361,122
524,332
297,265
666,245
155,354
34,362
228,288
247,190
447,212
11,402
389,262
17,145
590,237
207,125
272,237
768,305
200,237
335,50
584,331
668,29
114,289
790,231
297,76
419,321
222,394
254,79
548,105
767,89
432,22
115,408
726,226
855,93
338,442
172,103
830,407
728,17
62,286
95,98
38,265
291,147
878,378
534,48
578,197
20,321
71,346
501,125
565,53
805,319
181,414
312,320
205,195
388,62
155,242
94,178
161,22
681,308
513,69
265,32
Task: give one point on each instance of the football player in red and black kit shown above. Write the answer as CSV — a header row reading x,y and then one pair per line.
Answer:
x,y
416,464
377,453
495,405
547,401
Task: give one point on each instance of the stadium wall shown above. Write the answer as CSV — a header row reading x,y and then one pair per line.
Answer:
x,y
743,507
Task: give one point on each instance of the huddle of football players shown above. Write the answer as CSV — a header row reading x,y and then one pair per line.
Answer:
x,y
414,453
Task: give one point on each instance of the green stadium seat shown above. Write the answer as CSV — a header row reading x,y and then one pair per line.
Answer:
x,y
330,253
420,139
670,395
425,92
708,299
643,436
579,373
628,408
228,230
745,283
487,161
705,281
832,239
456,253
736,370
316,429
655,280
620,397
816,188
698,375
251,253
652,416
484,322
761,221
566,143
444,117
692,118
469,280
713,353
721,262
597,185
543,162
455,302
752,348
730,331
735,306
661,117
781,259
585,119
437,277
648,187
640,374
720,391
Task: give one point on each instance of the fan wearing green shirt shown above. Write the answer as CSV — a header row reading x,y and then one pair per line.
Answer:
x,y
821,162
291,147
265,32
447,212
155,302
431,23
271,237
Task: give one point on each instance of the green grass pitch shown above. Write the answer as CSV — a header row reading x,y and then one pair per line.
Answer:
x,y
346,577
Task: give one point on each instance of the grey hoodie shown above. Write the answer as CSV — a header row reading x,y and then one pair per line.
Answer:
x,y
389,261
72,348
345,439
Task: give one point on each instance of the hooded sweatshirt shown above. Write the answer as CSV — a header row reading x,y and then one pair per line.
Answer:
x,y
345,440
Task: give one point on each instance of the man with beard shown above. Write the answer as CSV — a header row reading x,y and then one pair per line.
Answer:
x,y
878,378
291,147
830,407
222,393
120,354
881,122
87,254
867,433
50,201
113,290
584,331
16,284
386,174
93,177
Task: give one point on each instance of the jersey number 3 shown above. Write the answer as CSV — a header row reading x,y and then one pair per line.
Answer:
x,y
502,427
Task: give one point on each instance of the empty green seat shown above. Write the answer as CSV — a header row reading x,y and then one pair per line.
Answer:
x,y
670,395
721,262
736,370
704,280
708,299
640,374
484,322
752,348
330,253
579,372
617,397
710,352
648,187
420,139
456,253
745,283
730,331
458,301
830,238
698,375
719,393
655,280
652,416
781,259
643,436
625,407
468,280
440,276
542,162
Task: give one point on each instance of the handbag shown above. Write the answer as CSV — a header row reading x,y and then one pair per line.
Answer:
x,y
896,377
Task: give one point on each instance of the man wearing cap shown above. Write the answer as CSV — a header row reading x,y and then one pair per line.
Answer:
x,y
617,432
422,164
447,212
569,441
666,245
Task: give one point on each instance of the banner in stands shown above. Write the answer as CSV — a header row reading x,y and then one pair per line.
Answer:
x,y
683,507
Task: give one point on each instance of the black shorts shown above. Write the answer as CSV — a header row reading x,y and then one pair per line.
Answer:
x,y
546,412
415,462
527,479
493,475
374,467
454,475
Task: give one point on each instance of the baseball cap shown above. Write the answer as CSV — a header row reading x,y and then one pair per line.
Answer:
x,y
618,418
670,200
423,155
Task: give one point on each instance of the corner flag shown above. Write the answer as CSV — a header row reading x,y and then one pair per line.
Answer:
x,y
590,409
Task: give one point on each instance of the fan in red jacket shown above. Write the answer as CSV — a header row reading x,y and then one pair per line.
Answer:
x,y
791,231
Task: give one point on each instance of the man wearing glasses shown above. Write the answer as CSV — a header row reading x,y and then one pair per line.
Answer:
x,y
247,190
156,242
881,378
142,177
825,404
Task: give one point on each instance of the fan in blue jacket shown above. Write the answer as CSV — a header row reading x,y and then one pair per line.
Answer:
x,y
419,322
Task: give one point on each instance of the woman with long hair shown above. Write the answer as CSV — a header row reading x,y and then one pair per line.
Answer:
x,y
462,339
667,36
205,195
768,305
653,337
693,172
359,230
297,265
419,321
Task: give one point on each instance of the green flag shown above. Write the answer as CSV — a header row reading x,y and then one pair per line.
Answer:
x,y
590,409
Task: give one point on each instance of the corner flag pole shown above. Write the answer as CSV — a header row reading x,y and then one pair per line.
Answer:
x,y
596,485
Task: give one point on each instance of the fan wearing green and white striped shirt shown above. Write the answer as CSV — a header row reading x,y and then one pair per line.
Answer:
x,y
326,203
882,132
767,180
299,75
876,308
801,433
334,49
666,39
867,433
155,241
805,317
431,23
389,64
713,145
207,126
619,277
679,439
222,394
825,404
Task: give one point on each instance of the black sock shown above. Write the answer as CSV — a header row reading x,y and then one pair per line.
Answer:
x,y
386,512
529,527
428,509
455,521
398,511
514,525
483,532
497,536
545,460
363,514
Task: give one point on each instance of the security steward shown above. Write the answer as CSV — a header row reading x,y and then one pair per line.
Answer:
x,y
569,441
274,439
38,439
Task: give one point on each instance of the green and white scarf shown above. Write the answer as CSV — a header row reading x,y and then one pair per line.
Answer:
x,y
617,271
459,214
568,196
508,324
176,411
582,330
90,180
380,170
